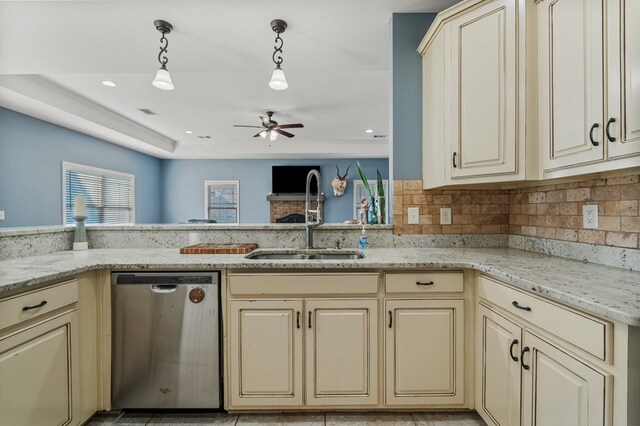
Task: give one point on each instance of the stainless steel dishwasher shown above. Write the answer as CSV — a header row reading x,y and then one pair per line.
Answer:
x,y
166,351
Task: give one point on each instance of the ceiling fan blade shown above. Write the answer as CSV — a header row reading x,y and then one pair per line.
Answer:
x,y
257,134
283,133
265,120
290,126
242,125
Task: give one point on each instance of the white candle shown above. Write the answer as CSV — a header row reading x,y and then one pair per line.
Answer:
x,y
80,206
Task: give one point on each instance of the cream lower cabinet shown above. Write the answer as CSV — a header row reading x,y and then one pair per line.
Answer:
x,y
302,340
424,352
424,314
267,355
342,345
519,372
558,388
39,363
532,361
498,379
266,352
36,374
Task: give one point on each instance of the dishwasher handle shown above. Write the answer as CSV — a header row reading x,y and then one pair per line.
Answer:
x,y
163,288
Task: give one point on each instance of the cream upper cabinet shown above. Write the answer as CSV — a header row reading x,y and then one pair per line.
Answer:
x,y
266,352
483,90
497,368
424,349
476,104
589,86
623,63
341,348
558,388
570,67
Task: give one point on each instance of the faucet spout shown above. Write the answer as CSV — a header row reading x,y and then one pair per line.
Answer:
x,y
308,212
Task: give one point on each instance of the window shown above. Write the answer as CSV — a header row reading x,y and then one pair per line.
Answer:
x,y
222,200
110,194
360,191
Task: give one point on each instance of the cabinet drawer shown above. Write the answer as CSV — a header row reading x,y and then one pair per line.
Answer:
x,y
14,310
584,331
357,283
424,282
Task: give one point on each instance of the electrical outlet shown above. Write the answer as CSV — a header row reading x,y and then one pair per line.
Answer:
x,y
590,216
414,215
445,216
1,214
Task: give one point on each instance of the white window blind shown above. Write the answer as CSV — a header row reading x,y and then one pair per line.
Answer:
x,y
109,194
222,200
360,191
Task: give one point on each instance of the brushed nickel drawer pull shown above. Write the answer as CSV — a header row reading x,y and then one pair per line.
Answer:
x,y
39,305
424,283
524,308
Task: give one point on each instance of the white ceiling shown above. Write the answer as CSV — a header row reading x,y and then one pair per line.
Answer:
x,y
54,55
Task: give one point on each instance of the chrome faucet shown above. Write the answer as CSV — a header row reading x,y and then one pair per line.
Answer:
x,y
308,213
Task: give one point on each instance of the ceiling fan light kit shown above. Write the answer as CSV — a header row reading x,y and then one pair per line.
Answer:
x,y
271,127
278,80
163,78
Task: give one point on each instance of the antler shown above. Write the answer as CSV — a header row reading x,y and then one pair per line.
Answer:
x,y
347,172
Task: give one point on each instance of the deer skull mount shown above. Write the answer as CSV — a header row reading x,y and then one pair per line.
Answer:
x,y
339,183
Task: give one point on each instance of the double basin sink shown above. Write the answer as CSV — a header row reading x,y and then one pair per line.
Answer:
x,y
303,254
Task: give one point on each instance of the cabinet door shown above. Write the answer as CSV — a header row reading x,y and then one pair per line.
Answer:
x,y
484,91
498,344
624,77
570,68
342,349
559,389
36,375
266,353
424,351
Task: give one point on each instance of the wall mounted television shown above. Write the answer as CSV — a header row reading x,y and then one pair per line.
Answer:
x,y
291,179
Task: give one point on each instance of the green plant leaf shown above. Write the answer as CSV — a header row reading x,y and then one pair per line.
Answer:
x,y
364,180
381,197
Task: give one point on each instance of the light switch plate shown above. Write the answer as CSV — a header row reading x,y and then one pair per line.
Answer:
x,y
1,214
414,215
445,216
590,216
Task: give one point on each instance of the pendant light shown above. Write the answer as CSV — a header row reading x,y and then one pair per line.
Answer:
x,y
278,80
163,78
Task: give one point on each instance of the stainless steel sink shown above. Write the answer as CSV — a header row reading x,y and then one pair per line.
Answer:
x,y
305,255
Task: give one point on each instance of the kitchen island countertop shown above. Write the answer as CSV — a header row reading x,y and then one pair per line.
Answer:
x,y
603,291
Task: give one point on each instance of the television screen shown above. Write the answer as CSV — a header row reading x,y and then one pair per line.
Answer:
x,y
291,179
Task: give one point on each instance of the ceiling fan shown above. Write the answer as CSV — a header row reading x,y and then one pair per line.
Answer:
x,y
271,127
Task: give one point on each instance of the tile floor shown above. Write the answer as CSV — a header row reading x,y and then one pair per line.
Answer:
x,y
290,419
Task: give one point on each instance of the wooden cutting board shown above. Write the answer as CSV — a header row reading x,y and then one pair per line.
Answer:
x,y
204,248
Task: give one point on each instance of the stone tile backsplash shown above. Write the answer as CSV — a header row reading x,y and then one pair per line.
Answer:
x,y
550,211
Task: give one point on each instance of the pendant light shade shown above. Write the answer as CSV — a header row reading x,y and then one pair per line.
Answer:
x,y
273,135
163,79
278,80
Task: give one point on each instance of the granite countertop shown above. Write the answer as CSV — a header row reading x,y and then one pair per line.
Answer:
x,y
601,290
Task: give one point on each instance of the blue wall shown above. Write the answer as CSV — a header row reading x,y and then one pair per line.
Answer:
x,y
31,156
407,30
183,186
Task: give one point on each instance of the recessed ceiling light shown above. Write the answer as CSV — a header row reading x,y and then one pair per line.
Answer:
x,y
369,131
188,132
109,83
